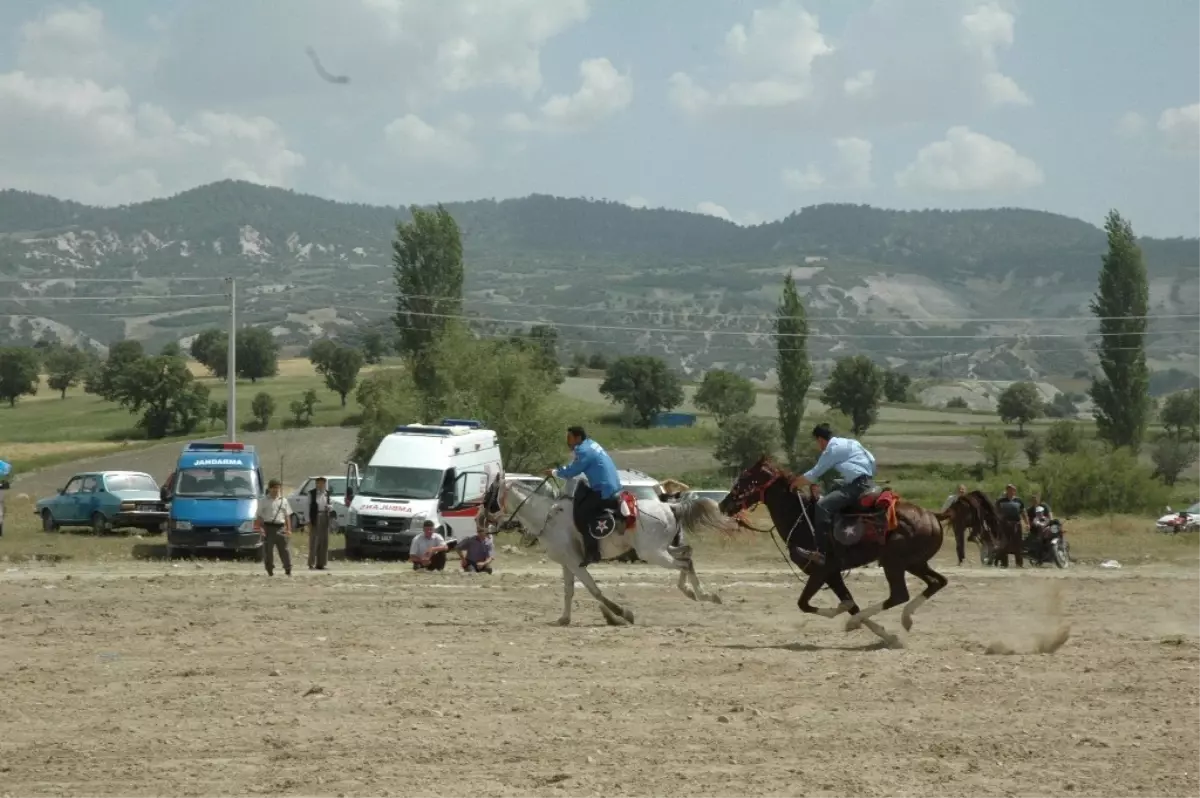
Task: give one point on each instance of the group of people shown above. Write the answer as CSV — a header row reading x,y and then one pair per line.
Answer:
x,y
426,553
1033,519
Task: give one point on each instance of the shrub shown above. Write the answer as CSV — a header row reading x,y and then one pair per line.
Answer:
x,y
262,409
1099,482
957,403
744,439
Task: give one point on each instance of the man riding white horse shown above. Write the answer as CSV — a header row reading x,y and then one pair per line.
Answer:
x,y
598,497
854,464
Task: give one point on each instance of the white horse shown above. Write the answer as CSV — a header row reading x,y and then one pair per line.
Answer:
x,y
546,516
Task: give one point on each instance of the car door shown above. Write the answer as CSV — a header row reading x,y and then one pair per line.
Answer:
x,y
62,506
87,500
298,501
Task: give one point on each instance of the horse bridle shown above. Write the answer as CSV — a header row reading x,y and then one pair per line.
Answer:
x,y
758,494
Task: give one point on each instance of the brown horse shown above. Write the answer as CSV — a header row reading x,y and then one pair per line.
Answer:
x,y
902,537
976,513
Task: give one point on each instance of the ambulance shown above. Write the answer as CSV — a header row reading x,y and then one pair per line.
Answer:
x,y
436,471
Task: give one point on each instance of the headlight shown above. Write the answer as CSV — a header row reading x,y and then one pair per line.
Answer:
x,y
246,526
352,519
125,506
181,526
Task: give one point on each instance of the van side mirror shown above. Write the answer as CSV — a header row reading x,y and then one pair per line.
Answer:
x,y
349,496
447,500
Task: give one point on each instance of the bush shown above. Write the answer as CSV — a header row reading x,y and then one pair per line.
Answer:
x,y
1172,456
388,398
743,439
1033,449
1064,437
1100,482
997,448
957,403
262,409
724,395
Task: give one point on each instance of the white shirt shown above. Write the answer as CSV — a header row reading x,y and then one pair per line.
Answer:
x,y
272,511
322,501
421,545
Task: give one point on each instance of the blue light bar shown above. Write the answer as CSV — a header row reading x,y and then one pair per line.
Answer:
x,y
406,429
462,422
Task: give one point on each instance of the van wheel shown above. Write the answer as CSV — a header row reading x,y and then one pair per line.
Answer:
x,y
48,522
353,552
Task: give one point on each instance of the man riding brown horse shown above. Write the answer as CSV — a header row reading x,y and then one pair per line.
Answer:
x,y
854,464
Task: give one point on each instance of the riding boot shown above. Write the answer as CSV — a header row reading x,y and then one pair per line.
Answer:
x,y
820,536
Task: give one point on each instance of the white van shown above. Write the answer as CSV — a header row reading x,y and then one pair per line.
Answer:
x,y
420,471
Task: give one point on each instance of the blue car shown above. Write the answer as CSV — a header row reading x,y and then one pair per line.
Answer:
x,y
105,500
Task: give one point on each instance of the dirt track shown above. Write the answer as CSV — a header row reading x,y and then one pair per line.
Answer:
x,y
215,680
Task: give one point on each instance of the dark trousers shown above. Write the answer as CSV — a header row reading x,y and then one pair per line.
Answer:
x,y
832,503
272,540
467,565
436,563
587,504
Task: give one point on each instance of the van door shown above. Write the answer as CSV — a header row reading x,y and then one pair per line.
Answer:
x,y
352,481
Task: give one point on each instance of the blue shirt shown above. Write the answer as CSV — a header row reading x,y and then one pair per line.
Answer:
x,y
846,455
594,463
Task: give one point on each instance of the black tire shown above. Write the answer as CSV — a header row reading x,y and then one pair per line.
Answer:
x,y
1062,553
353,552
99,524
48,522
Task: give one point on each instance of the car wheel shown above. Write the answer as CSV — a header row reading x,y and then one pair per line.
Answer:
x,y
48,522
99,523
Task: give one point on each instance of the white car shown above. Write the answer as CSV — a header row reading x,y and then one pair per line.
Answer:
x,y
298,501
1180,521
715,495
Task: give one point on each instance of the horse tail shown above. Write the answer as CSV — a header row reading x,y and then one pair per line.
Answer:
x,y
701,515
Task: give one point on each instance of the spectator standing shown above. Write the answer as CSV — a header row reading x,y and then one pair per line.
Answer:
x,y
427,552
318,525
479,552
953,497
276,528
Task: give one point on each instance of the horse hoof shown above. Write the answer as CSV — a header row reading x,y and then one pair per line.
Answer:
x,y
716,598
627,615
562,622
614,620
906,622
853,623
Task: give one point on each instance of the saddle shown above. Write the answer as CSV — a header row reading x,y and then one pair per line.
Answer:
x,y
619,515
870,519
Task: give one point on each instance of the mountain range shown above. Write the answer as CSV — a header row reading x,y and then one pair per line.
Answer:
x,y
990,294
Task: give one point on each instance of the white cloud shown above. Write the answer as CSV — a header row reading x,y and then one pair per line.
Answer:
x,y
480,44
1131,125
966,161
1181,128
772,60
68,128
860,85
713,209
603,92
417,142
637,201
76,138
895,63
68,42
850,168
990,28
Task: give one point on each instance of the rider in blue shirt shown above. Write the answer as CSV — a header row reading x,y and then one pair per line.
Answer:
x,y
600,492
854,464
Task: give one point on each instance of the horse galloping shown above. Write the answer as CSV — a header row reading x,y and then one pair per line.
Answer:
x,y
903,541
546,517
976,513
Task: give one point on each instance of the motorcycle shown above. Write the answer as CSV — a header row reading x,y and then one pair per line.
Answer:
x,y
1049,546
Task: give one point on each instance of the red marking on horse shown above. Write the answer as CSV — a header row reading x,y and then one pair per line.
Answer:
x,y
629,510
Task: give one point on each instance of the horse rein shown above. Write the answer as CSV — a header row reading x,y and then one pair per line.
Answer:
x,y
759,497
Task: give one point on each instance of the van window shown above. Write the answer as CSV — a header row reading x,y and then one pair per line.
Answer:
x,y
399,482
216,483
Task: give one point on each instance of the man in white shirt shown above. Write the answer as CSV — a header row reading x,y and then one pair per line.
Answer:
x,y
427,552
273,516
953,497
854,464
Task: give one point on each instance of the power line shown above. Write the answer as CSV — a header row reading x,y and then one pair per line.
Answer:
x,y
109,279
135,298
749,333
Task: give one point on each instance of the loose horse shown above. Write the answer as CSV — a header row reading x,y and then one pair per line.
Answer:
x,y
546,516
907,548
976,513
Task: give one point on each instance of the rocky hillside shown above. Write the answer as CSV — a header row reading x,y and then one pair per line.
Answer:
x,y
932,291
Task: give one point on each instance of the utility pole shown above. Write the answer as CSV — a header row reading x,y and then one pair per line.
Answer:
x,y
231,367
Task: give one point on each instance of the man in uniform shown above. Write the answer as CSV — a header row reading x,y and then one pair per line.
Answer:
x,y
854,464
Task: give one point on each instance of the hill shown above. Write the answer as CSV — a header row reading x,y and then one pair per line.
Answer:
x,y
929,291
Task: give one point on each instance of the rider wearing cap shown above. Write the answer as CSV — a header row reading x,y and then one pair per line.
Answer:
x,y
854,464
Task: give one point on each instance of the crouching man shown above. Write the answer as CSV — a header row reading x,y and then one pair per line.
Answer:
x,y
427,552
477,553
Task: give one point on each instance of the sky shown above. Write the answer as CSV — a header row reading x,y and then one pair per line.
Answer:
x,y
744,109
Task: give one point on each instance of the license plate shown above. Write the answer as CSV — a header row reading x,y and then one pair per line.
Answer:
x,y
216,544
379,538
146,508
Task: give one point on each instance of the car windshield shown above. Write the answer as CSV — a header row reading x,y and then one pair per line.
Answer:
x,y
1194,509
216,483
396,482
130,482
643,493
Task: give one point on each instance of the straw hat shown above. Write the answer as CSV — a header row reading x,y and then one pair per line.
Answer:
x,y
673,486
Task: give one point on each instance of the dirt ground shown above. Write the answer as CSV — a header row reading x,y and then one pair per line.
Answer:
x,y
209,678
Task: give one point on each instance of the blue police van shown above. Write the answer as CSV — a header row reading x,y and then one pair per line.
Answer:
x,y
215,492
